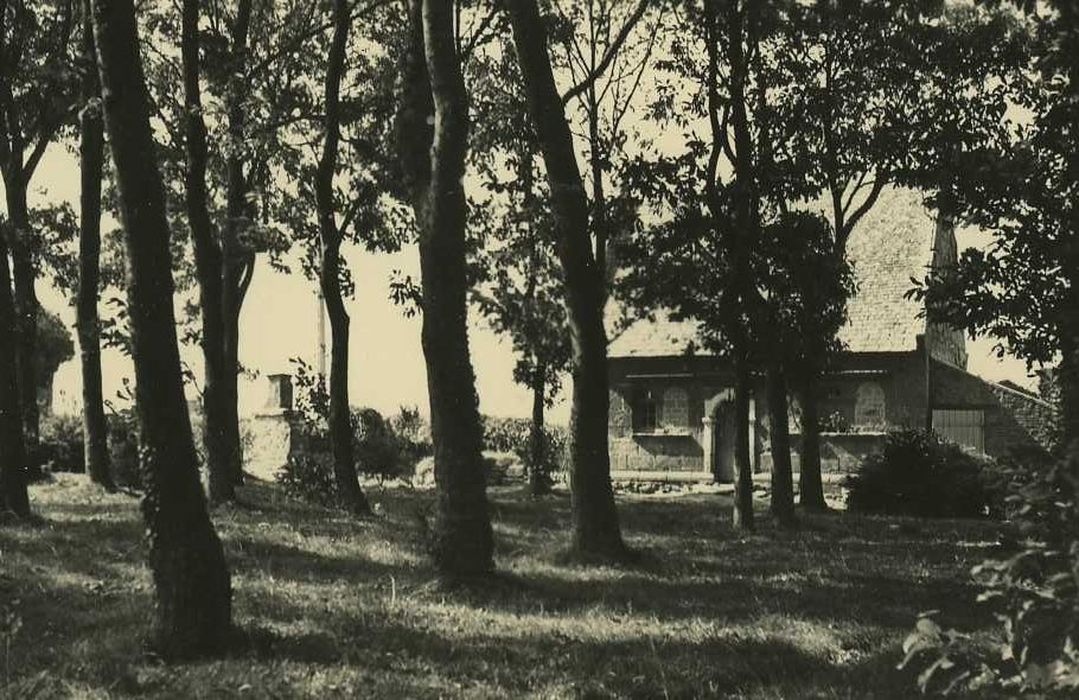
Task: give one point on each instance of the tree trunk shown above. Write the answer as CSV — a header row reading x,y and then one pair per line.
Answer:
x,y
207,268
782,480
26,307
237,264
349,493
810,484
13,495
193,591
742,517
539,479
596,531
434,161
88,324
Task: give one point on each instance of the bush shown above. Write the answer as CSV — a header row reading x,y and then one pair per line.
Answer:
x,y
922,475
1033,585
124,448
310,477
61,448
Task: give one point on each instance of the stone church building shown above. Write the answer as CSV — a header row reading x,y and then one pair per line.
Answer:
x,y
671,415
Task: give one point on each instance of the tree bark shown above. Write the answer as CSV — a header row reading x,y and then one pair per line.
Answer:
x,y
192,585
13,495
742,517
596,530
88,323
434,162
207,268
349,493
26,304
810,483
782,480
539,481
237,263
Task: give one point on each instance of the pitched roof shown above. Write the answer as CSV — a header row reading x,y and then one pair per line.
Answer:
x,y
889,246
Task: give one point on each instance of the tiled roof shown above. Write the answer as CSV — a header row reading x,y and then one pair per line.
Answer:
x,y
889,246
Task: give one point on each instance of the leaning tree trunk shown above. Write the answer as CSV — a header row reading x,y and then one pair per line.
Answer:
x,y
782,479
433,142
88,324
26,306
538,478
743,486
810,483
207,269
193,590
13,496
596,531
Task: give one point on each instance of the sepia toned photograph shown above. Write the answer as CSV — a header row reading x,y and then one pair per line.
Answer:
x,y
539,349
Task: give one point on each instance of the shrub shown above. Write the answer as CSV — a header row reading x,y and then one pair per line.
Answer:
x,y
1033,585
310,477
61,447
124,448
920,474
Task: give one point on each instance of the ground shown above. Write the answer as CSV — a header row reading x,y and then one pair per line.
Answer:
x,y
333,607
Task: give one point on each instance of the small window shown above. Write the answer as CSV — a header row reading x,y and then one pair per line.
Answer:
x,y
869,408
675,408
645,411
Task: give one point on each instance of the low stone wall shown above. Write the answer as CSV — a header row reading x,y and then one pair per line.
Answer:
x,y
841,453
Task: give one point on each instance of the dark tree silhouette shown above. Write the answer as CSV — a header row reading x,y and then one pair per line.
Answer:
x,y
433,141
191,579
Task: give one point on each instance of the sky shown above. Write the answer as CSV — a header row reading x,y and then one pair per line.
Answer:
x,y
280,321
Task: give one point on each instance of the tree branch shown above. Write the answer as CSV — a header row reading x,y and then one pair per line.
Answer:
x,y
608,56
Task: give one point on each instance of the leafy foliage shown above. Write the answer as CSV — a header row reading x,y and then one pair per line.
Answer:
x,y
1032,587
917,473
383,449
62,447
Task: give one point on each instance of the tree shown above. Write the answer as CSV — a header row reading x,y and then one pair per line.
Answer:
x,y
88,323
37,90
432,128
331,235
519,281
596,531
191,579
13,495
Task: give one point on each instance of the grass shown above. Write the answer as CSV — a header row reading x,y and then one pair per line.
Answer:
x,y
334,607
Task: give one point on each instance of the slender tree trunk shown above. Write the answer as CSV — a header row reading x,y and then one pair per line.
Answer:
x,y
782,479
207,268
26,306
88,324
193,590
539,479
237,263
434,162
743,451
13,495
596,531
349,492
810,483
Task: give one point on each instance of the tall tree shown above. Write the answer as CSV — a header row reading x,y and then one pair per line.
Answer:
x,y
519,286
191,579
88,323
433,142
208,265
38,86
13,495
341,432
596,531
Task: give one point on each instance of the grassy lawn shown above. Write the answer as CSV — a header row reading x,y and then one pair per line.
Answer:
x,y
333,607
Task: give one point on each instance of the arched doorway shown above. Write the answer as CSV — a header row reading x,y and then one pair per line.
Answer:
x,y
720,434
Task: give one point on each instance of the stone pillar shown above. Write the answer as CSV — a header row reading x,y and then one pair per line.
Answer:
x,y
275,430
708,443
